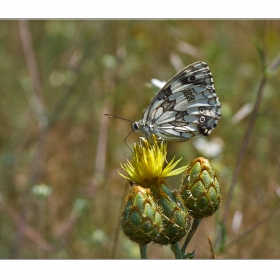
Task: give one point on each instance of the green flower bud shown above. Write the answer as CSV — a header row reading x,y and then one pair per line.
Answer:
x,y
176,221
141,218
200,189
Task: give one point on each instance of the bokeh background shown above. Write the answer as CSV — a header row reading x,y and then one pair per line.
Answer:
x,y
60,191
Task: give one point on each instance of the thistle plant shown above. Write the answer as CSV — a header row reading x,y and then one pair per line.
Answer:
x,y
155,213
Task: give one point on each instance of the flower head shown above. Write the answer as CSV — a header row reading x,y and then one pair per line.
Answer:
x,y
147,163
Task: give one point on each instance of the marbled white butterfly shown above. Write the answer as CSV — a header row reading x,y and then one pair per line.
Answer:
x,y
187,106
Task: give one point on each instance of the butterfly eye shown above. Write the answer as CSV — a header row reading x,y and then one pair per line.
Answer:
x,y
135,126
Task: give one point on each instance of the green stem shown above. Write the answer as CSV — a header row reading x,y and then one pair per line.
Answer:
x,y
143,251
175,247
194,227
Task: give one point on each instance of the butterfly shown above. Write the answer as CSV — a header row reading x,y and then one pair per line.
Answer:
x,y
186,106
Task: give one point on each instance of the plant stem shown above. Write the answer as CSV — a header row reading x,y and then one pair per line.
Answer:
x,y
143,251
195,224
175,247
244,146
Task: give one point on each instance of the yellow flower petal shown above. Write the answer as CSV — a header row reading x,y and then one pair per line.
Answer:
x,y
148,161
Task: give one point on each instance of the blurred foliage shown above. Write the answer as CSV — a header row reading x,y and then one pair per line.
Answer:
x,y
87,68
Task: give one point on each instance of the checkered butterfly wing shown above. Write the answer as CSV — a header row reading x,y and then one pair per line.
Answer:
x,y
187,106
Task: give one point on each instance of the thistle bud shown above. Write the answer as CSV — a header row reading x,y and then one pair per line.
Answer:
x,y
200,189
141,218
176,221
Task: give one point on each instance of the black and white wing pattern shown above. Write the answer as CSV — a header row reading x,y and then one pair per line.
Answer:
x,y
187,106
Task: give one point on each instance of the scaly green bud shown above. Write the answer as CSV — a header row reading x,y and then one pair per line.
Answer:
x,y
141,219
176,221
200,189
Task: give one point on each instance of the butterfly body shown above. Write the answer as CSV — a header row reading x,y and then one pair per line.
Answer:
x,y
187,106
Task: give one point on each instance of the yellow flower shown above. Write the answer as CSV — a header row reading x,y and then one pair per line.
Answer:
x,y
146,167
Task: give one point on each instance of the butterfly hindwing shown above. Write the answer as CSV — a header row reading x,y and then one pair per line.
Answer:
x,y
185,107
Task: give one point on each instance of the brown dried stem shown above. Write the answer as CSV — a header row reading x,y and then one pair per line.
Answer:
x,y
33,70
252,228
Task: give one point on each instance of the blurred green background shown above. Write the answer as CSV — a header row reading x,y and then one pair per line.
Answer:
x,y
60,191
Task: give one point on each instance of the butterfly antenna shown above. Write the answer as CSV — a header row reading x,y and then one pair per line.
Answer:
x,y
116,117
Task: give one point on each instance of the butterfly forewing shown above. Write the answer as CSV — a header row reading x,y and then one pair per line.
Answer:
x,y
185,107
